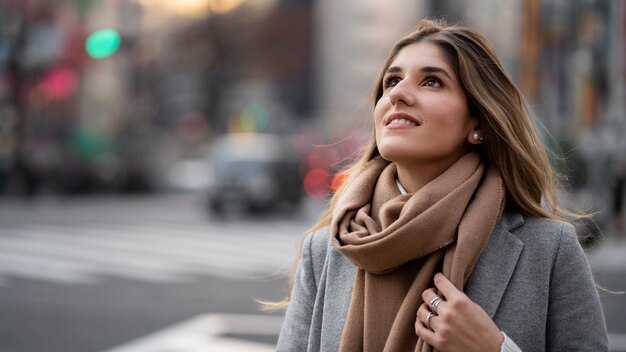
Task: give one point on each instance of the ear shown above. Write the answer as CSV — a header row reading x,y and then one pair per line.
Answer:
x,y
476,136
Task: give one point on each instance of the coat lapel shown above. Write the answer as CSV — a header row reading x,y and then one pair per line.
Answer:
x,y
496,264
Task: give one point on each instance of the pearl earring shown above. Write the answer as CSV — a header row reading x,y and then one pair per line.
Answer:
x,y
477,136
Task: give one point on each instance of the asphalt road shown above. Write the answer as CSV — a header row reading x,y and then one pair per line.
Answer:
x,y
93,274
89,274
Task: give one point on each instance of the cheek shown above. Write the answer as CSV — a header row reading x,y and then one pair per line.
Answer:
x,y
379,111
455,115
379,114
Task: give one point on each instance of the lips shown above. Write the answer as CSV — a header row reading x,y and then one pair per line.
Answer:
x,y
401,119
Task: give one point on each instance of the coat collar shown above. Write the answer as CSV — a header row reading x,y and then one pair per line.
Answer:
x,y
496,264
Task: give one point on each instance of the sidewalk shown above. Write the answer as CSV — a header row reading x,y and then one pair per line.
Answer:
x,y
208,333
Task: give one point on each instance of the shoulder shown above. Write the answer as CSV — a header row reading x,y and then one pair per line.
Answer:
x,y
315,250
319,240
316,243
549,227
545,246
537,232
534,244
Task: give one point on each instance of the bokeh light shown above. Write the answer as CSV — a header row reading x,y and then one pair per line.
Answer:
x,y
317,184
59,83
223,6
338,180
103,43
193,8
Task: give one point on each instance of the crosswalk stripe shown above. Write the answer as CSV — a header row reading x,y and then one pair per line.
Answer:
x,y
95,262
261,234
207,333
150,255
153,252
216,253
45,268
198,236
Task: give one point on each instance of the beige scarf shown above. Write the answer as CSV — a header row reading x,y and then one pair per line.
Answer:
x,y
398,243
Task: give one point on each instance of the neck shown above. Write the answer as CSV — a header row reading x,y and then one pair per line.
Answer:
x,y
414,176
413,179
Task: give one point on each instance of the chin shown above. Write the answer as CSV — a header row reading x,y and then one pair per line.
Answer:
x,y
394,154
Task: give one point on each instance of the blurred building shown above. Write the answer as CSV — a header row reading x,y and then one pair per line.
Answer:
x,y
354,37
352,41
188,71
567,57
184,72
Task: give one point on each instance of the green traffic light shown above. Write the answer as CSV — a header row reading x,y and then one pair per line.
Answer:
x,y
102,43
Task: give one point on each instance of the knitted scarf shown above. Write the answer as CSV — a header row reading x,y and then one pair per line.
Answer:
x,y
398,242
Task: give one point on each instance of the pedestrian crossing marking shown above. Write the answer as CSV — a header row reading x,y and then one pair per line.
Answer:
x,y
168,252
88,259
44,268
205,333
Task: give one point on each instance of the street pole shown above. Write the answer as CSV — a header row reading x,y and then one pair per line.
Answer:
x,y
20,173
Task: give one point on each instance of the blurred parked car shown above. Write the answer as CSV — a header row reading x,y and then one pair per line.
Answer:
x,y
253,172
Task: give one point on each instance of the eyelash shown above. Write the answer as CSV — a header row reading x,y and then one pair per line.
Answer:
x,y
432,78
388,81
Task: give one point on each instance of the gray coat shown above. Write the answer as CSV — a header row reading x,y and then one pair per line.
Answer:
x,y
532,279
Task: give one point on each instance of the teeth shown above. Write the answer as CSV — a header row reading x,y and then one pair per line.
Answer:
x,y
402,122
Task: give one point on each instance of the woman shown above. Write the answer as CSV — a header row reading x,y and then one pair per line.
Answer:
x,y
438,238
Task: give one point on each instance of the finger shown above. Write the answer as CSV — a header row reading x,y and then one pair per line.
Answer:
x,y
426,334
421,330
428,295
446,287
422,316
422,313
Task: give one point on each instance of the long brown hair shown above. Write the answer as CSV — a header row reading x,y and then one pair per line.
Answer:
x,y
511,142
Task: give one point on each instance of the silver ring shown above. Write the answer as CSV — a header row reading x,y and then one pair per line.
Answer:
x,y
427,323
434,303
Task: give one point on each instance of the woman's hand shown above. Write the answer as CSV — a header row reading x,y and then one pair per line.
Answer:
x,y
459,325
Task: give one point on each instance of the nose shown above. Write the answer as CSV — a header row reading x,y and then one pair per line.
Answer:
x,y
403,93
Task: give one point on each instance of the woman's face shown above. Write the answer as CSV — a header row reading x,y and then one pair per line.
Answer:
x,y
422,117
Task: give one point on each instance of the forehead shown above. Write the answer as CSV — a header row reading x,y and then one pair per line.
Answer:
x,y
421,54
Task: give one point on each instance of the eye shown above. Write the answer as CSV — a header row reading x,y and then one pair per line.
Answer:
x,y
391,81
432,82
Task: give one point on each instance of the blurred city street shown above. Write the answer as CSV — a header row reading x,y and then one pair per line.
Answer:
x,y
93,274
133,131
88,274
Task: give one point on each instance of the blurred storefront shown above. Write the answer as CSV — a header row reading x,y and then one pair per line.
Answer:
x,y
161,79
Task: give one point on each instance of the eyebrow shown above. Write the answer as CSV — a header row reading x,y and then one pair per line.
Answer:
x,y
428,69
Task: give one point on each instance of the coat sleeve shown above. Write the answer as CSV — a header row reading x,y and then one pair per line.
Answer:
x,y
575,320
294,334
